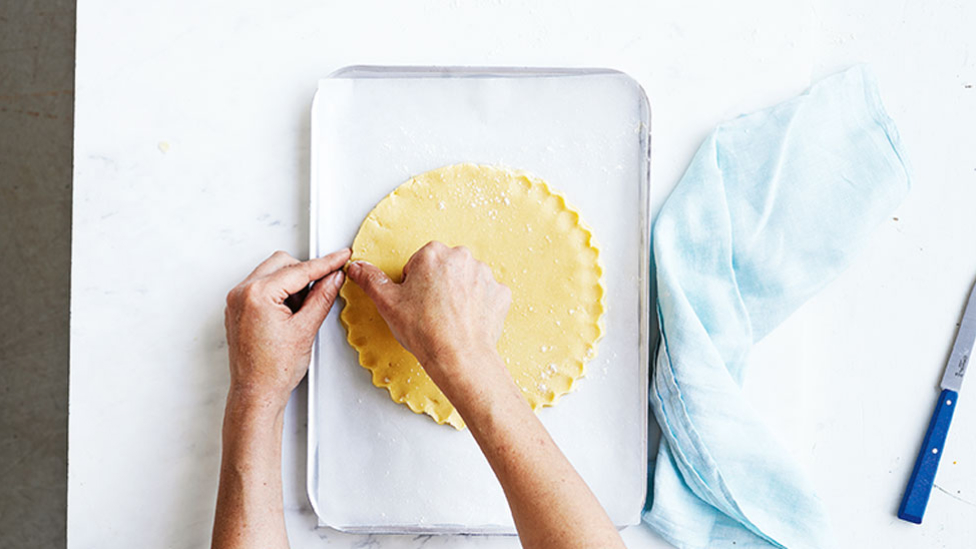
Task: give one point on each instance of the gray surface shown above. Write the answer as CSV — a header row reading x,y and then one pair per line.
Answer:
x,y
36,102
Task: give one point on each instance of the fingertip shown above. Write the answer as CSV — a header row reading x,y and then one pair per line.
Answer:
x,y
337,255
354,268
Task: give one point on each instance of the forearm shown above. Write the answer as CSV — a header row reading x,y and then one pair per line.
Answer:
x,y
550,503
249,502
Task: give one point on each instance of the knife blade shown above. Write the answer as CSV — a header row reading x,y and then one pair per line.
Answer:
x,y
919,488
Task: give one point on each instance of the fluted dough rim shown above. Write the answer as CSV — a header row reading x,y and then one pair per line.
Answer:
x,y
420,403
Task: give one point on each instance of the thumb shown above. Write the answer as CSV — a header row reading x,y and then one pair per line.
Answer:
x,y
320,299
373,281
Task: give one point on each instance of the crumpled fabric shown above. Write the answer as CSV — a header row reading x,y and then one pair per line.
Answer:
x,y
773,206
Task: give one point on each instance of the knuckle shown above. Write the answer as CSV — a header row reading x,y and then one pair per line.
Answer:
x,y
233,296
301,268
252,293
331,295
433,249
327,296
425,255
280,254
376,278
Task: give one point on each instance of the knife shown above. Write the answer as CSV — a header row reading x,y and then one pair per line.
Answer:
x,y
923,475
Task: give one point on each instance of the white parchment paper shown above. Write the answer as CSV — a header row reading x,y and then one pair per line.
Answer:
x,y
373,464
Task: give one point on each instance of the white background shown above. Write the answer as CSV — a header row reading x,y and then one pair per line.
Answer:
x,y
191,165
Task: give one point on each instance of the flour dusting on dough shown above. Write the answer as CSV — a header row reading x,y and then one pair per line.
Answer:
x,y
517,225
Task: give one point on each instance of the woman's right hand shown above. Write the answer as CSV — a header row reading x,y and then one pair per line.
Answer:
x,y
449,312
448,307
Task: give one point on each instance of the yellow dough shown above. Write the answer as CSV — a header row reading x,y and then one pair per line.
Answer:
x,y
535,244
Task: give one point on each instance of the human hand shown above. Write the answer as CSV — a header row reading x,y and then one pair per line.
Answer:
x,y
270,346
449,312
447,306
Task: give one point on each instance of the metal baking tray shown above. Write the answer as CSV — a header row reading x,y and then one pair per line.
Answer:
x,y
375,466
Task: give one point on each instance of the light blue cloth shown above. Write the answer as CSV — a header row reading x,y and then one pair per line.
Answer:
x,y
772,207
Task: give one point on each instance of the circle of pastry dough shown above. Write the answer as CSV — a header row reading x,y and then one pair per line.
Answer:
x,y
534,243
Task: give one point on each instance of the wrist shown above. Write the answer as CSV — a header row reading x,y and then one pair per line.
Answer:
x,y
454,358
469,374
254,406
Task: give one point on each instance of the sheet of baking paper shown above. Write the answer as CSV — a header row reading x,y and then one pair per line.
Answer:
x,y
373,464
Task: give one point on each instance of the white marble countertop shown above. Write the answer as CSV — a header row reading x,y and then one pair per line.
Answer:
x,y
191,165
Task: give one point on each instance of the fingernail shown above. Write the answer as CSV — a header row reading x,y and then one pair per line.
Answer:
x,y
338,279
353,267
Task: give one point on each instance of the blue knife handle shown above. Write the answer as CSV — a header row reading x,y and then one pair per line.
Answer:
x,y
927,463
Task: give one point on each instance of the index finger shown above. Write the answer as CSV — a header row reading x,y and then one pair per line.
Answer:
x,y
277,260
296,277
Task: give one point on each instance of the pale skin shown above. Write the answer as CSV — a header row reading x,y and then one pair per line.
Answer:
x,y
449,312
